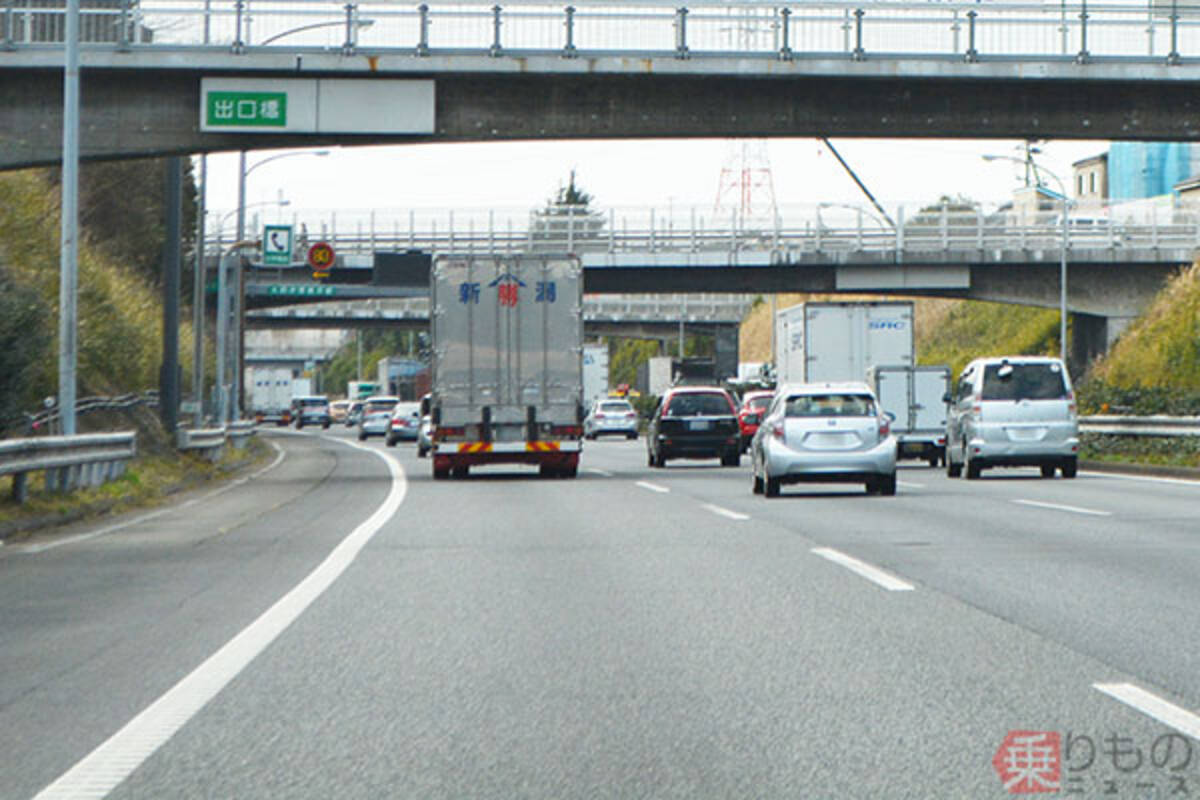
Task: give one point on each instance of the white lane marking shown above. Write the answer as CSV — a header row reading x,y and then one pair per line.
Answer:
x,y
1059,507
83,537
1154,706
725,512
1144,478
112,762
654,487
873,574
910,485
602,472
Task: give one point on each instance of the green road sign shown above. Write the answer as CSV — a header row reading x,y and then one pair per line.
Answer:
x,y
301,290
277,245
246,109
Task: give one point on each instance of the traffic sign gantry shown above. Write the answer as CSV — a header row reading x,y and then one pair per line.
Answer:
x,y
321,258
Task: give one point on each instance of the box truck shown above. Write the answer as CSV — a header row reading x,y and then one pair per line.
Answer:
x,y
271,390
507,362
913,395
838,341
595,372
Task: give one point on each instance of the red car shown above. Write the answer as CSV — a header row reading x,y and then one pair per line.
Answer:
x,y
754,408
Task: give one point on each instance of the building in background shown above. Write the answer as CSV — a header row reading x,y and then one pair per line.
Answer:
x,y
1089,180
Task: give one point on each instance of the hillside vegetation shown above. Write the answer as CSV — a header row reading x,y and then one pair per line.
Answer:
x,y
120,313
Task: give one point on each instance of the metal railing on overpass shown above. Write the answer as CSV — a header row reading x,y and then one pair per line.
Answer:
x,y
1157,32
806,231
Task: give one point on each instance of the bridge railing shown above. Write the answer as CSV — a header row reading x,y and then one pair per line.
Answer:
x,y
1159,32
812,230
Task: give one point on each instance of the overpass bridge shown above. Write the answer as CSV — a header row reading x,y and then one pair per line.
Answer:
x,y
542,70
1114,268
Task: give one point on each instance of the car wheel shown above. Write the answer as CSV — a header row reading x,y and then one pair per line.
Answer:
x,y
771,487
460,472
971,467
441,474
390,442
887,485
1047,470
631,437
757,487
731,459
421,451
650,459
362,437
325,425
953,470
1070,467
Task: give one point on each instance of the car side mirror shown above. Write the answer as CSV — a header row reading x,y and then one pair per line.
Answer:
x,y
947,399
891,417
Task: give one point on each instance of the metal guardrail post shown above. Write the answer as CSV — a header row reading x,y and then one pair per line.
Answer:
x,y
972,54
351,43
785,51
1173,56
423,27
1084,55
239,46
124,24
681,48
495,50
569,47
8,26
859,54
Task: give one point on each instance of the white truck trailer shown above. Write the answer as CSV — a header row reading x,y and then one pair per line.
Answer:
x,y
507,362
595,373
271,390
835,341
914,396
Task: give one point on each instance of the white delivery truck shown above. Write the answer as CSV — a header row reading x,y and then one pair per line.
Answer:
x,y
833,341
507,362
914,396
271,390
595,373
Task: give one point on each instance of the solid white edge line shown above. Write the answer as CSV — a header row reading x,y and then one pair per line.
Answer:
x,y
102,770
83,537
1060,507
654,487
865,570
725,512
1153,706
910,485
602,472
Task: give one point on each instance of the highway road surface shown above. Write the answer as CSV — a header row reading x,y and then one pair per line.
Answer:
x,y
339,625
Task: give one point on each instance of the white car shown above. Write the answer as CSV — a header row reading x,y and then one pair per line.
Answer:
x,y
824,433
616,417
376,416
405,423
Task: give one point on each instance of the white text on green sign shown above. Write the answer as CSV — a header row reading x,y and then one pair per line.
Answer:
x,y
247,109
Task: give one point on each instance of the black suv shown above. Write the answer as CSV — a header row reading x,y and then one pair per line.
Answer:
x,y
694,422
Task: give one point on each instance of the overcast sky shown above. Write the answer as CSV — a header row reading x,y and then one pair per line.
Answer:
x,y
626,173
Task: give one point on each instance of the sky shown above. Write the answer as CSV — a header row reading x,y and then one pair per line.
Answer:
x,y
624,174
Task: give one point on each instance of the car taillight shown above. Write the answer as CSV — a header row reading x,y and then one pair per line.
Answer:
x,y
885,427
599,415
630,415
977,404
777,431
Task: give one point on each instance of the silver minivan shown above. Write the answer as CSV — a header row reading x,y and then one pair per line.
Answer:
x,y
1016,411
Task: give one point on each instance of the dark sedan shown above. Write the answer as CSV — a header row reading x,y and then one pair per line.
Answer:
x,y
694,422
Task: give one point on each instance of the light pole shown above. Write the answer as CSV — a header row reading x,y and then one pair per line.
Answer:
x,y
1062,265
240,300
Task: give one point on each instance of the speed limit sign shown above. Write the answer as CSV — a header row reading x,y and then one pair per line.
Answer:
x,y
320,258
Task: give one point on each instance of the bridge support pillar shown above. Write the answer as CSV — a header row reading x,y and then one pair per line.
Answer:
x,y
1091,336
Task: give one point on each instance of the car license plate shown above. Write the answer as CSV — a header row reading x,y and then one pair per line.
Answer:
x,y
1026,434
699,424
831,441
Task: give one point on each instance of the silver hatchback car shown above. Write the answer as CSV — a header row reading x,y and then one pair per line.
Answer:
x,y
824,433
1009,412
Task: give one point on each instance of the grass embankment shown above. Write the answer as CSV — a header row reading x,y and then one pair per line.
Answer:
x,y
119,351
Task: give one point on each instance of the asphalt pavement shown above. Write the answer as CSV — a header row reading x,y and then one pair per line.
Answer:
x,y
342,626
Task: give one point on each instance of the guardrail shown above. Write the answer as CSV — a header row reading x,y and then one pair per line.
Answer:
x,y
1072,32
211,442
68,461
1140,426
49,419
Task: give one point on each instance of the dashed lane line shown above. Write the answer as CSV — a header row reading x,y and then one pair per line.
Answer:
x,y
861,568
654,487
1060,507
1153,706
725,512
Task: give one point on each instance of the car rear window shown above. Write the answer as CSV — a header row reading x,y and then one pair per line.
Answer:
x,y
379,405
698,404
616,407
1025,382
312,401
760,402
830,405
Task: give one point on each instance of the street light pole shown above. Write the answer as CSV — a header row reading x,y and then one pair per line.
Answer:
x,y
239,297
1062,254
